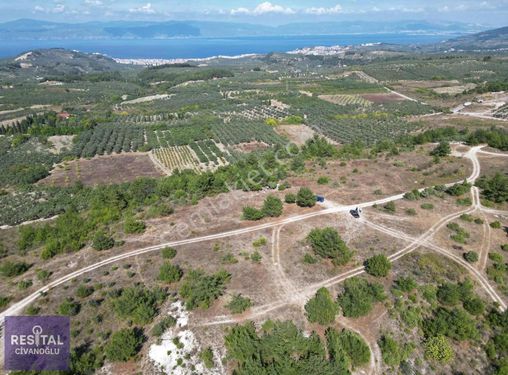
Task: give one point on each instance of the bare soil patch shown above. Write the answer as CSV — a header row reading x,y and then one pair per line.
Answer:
x,y
109,169
250,146
297,134
383,98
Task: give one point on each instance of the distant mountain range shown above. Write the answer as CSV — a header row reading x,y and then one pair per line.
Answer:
x,y
28,29
486,40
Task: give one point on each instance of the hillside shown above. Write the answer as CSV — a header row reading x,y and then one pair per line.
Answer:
x,y
486,40
55,62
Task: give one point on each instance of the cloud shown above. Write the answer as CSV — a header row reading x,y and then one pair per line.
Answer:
x,y
324,11
144,9
94,2
263,8
57,9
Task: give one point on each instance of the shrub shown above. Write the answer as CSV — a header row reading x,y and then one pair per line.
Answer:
x,y
43,275
495,225
494,188
427,206
392,352
458,189
170,273
200,290
69,307
228,258
451,294
251,213
327,243
496,257
378,265
455,324
272,206
162,326
239,304
123,345
323,180
439,349
132,226
207,357
261,241
256,257
321,308
12,269
168,253
290,198
138,304
390,207
309,259
411,212
25,284
441,150
359,296
474,306
84,291
405,284
4,301
504,247
466,217
101,241
305,198
471,256
355,348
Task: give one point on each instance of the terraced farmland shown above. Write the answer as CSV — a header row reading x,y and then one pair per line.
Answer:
x,y
367,131
346,100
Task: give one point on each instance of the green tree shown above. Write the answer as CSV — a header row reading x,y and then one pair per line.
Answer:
x,y
207,357
84,291
168,253
439,349
170,273
378,265
392,352
355,348
474,306
239,304
321,308
123,345
272,206
441,150
290,198
305,198
471,256
101,241
327,243
200,290
138,304
132,226
251,213
11,269
359,296
162,326
494,188
69,307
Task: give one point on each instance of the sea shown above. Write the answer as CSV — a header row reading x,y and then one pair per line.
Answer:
x,y
207,47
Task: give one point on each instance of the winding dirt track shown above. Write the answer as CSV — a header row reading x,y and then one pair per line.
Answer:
x,y
260,310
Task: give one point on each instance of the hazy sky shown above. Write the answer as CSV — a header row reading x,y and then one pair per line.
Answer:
x,y
489,13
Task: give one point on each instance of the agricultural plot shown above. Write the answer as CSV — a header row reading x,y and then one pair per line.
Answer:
x,y
502,112
197,156
343,100
368,131
264,112
107,139
382,98
177,158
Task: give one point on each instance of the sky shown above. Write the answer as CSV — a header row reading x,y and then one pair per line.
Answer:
x,y
487,13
